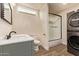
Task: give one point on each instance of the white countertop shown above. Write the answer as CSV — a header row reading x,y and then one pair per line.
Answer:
x,y
16,39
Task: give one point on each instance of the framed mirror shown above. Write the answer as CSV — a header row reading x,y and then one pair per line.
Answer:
x,y
6,12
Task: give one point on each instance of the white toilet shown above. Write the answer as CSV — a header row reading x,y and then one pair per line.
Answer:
x,y
37,43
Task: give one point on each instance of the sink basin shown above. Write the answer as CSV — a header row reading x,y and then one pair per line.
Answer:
x,y
24,36
16,39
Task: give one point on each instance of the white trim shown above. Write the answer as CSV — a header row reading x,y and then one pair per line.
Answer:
x,y
27,10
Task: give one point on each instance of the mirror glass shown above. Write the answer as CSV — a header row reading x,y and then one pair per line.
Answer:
x,y
6,12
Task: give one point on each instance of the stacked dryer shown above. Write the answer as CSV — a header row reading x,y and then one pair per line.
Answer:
x,y
73,32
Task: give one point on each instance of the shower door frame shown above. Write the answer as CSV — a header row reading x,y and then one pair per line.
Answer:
x,y
60,25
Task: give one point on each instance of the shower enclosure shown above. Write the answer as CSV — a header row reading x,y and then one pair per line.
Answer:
x,y
55,29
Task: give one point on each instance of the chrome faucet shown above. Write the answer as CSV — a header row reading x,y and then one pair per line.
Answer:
x,y
9,36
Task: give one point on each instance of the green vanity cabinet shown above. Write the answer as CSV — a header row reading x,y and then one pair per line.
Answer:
x,y
17,49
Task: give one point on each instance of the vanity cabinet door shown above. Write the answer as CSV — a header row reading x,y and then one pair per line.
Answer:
x,y
18,49
5,50
1,51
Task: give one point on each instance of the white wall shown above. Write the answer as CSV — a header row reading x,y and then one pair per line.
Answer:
x,y
64,22
44,19
31,24
24,23
5,28
28,24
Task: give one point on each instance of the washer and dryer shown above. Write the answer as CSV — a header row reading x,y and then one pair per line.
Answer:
x,y
73,32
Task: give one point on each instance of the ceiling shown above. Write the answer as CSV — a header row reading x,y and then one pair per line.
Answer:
x,y
58,7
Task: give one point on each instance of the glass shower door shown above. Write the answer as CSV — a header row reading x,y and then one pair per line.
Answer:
x,y
55,27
